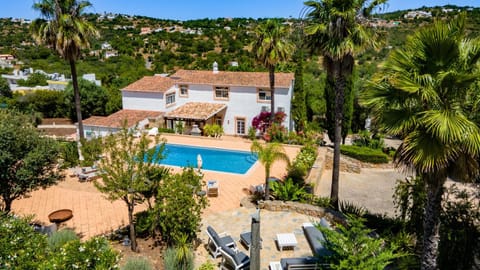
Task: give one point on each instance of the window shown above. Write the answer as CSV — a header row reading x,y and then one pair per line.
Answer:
x,y
221,92
240,126
183,90
265,108
170,98
264,95
218,120
280,109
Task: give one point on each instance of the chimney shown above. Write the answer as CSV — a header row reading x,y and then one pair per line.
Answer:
x,y
215,67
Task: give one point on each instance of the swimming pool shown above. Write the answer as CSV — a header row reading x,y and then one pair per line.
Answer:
x,y
214,159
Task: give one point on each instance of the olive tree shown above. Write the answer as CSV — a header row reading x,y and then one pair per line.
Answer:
x,y
125,166
27,160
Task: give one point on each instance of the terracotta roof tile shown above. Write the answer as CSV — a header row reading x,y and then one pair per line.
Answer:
x,y
116,120
232,78
196,110
224,78
151,84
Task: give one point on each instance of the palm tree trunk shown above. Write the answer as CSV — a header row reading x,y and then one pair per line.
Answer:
x,y
76,92
271,73
133,236
339,100
267,186
431,222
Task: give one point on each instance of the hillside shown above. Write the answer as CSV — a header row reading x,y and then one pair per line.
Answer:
x,y
137,46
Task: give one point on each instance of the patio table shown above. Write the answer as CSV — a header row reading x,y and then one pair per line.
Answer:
x,y
286,240
275,266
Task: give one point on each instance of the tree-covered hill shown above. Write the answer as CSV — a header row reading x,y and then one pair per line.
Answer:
x,y
147,45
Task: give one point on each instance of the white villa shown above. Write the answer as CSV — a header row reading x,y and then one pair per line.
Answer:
x,y
195,97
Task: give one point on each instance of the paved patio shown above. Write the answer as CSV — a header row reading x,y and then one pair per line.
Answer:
x,y
94,215
237,221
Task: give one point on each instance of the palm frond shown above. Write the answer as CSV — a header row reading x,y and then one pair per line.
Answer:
x,y
425,94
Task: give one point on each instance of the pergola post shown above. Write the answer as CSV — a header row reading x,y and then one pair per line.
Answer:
x,y
255,246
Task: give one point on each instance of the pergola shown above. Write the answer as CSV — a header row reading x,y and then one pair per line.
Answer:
x,y
195,112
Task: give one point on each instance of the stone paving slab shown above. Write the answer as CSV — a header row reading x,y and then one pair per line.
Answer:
x,y
237,221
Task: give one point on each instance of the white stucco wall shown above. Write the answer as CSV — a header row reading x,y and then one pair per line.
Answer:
x,y
145,101
95,132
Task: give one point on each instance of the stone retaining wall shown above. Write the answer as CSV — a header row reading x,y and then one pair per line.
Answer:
x,y
302,208
351,165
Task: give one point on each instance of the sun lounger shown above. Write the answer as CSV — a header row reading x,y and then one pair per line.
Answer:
x,y
82,177
302,263
316,239
234,259
153,132
216,241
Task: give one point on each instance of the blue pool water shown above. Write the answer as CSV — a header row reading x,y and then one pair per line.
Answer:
x,y
212,158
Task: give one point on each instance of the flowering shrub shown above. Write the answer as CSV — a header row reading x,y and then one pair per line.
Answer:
x,y
23,248
261,121
302,163
20,246
95,253
275,132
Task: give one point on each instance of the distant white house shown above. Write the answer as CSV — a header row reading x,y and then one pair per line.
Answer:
x,y
55,81
111,53
6,60
199,97
417,14
106,46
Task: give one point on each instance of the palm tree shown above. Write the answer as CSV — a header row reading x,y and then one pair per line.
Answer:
x,y
335,30
267,155
63,28
271,47
424,95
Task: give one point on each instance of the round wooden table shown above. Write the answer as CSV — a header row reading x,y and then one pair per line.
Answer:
x,y
60,215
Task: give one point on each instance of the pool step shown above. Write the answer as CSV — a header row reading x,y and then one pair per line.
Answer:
x,y
251,159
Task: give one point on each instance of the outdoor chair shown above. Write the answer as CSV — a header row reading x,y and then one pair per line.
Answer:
x,y
216,241
257,189
48,230
234,259
212,188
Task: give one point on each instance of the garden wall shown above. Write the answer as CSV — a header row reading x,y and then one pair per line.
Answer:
x,y
302,208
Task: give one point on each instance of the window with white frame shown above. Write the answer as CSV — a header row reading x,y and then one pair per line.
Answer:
x,y
264,95
183,90
221,92
280,109
170,98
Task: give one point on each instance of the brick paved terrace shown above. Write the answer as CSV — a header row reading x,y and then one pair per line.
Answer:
x,y
94,215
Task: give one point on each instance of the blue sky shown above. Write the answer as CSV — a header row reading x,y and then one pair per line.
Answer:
x,y
196,9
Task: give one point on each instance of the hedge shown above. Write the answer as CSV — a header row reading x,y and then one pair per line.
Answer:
x,y
364,154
